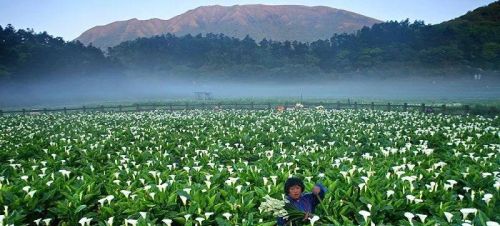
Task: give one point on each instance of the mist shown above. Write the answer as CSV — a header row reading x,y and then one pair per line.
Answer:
x,y
111,89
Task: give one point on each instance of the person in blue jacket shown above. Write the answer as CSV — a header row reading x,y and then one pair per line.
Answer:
x,y
294,188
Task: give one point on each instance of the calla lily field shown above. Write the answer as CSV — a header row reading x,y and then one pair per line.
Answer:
x,y
228,167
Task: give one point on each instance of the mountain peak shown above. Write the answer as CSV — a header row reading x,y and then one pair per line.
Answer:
x,y
276,22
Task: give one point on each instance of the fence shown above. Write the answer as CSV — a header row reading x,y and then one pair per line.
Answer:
x,y
464,109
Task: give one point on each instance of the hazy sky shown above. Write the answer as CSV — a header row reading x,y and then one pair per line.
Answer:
x,y
69,18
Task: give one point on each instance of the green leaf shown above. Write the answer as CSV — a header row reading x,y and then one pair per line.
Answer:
x,y
80,208
270,223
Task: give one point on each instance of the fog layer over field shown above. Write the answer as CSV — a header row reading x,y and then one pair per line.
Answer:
x,y
77,92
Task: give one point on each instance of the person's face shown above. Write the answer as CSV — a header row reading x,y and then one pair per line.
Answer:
x,y
295,191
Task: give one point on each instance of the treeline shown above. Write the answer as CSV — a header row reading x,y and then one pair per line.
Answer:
x,y
384,46
25,54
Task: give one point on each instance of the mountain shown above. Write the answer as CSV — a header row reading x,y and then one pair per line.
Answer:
x,y
276,22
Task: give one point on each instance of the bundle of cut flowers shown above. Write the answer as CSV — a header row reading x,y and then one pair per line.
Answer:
x,y
280,208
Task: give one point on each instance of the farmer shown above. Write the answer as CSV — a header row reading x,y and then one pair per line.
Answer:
x,y
294,188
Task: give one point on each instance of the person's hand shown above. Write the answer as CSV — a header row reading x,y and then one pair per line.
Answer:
x,y
307,215
316,190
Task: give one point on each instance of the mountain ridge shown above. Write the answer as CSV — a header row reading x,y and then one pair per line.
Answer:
x,y
275,22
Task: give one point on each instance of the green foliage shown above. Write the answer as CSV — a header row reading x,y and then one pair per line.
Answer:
x,y
25,54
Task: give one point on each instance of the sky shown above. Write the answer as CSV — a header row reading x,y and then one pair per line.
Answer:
x,y
70,18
